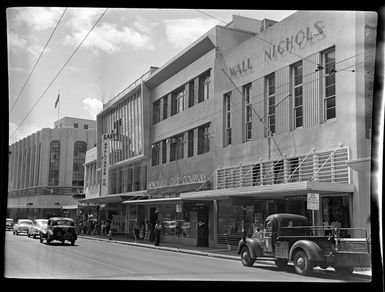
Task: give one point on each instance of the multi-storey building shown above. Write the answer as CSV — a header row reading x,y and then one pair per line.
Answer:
x,y
246,121
46,169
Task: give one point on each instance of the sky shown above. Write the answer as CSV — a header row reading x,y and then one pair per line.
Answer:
x,y
123,45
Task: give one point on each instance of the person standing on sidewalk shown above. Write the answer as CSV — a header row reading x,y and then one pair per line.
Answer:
x,y
136,232
157,230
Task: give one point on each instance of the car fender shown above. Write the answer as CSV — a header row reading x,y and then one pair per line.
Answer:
x,y
312,250
253,245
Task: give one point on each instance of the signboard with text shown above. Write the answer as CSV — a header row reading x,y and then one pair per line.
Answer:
x,y
105,160
313,201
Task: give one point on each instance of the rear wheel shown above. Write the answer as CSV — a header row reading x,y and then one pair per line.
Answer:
x,y
302,264
246,257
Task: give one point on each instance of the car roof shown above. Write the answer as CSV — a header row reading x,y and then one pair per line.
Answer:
x,y
286,216
29,220
61,218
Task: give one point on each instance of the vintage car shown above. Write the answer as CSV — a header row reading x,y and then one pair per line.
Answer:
x,y
9,224
21,226
61,229
38,226
290,237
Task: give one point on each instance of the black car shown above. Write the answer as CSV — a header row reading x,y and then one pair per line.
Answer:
x,y
61,229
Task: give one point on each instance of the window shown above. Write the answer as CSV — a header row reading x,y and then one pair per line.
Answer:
x,y
76,125
227,116
80,149
54,163
203,139
271,104
330,84
191,93
156,112
164,151
165,107
204,82
85,127
155,153
248,111
177,101
176,147
297,94
190,148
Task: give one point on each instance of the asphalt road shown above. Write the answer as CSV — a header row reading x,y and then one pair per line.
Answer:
x,y
27,258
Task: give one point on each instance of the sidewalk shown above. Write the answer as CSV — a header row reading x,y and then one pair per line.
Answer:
x,y
224,253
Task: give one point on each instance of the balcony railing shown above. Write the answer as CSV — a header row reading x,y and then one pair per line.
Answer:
x,y
326,166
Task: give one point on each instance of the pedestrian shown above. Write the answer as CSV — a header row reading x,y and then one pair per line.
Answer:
x,y
108,226
147,230
141,231
136,232
157,230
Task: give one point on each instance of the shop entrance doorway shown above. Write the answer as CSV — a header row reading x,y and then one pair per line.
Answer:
x,y
203,226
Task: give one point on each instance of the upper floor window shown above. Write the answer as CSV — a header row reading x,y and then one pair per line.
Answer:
x,y
227,118
54,163
297,94
85,127
176,147
177,101
270,80
156,111
248,111
203,139
204,86
165,107
329,60
164,151
190,143
191,93
80,149
76,125
155,153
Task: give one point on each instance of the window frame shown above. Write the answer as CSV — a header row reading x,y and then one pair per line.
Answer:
x,y
248,118
271,122
227,119
329,74
297,107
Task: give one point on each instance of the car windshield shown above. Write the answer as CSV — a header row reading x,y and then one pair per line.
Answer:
x,y
29,222
9,220
63,222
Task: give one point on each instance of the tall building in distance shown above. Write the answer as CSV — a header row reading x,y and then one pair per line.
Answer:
x,y
46,168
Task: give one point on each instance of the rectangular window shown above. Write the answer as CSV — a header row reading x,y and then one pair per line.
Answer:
x,y
227,117
85,127
248,111
76,125
155,153
191,93
329,84
176,147
190,143
204,86
165,107
297,94
156,111
177,101
203,139
271,103
164,151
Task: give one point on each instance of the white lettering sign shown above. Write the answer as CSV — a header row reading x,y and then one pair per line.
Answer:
x,y
313,201
177,180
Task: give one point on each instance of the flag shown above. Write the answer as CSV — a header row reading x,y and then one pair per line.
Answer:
x,y
57,100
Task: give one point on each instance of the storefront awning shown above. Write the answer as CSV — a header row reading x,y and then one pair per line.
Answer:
x,y
119,198
271,191
153,201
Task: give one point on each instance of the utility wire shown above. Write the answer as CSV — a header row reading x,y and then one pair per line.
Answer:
x,y
33,69
212,16
77,48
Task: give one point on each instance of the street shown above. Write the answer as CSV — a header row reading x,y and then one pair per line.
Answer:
x,y
27,258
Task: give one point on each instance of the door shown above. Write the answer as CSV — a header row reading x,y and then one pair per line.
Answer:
x,y
203,226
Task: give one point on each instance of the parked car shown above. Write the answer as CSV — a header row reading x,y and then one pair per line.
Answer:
x,y
61,229
289,237
21,226
9,224
38,226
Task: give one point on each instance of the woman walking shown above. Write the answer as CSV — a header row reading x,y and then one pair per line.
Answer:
x,y
157,229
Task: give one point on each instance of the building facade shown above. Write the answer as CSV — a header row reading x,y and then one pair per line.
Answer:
x,y
247,121
46,168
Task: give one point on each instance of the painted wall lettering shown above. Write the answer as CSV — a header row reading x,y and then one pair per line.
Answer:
x,y
177,180
243,68
303,38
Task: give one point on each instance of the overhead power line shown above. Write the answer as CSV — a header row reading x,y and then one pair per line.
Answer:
x,y
33,69
62,68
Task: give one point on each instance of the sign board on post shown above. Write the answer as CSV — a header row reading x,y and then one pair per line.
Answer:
x,y
178,208
313,201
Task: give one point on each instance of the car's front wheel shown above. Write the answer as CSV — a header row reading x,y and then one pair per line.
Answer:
x,y
246,257
302,264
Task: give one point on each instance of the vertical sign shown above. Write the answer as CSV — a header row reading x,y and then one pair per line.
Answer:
x,y
105,165
313,201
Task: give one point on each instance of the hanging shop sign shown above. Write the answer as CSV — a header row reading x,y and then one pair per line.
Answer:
x,y
301,39
313,201
105,160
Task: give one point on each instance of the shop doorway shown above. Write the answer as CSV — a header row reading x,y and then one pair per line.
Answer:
x,y
203,226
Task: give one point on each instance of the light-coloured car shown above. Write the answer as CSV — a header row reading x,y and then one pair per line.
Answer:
x,y
22,226
9,224
38,227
